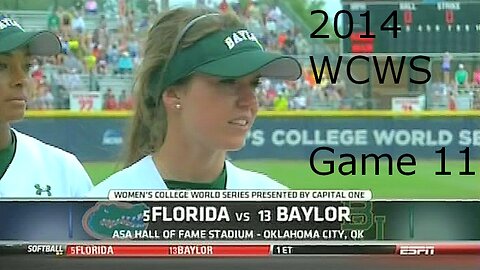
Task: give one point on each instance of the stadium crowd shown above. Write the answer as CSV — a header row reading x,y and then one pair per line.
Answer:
x,y
103,57
97,59
459,82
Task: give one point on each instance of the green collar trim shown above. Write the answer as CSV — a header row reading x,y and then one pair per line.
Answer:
x,y
7,154
220,183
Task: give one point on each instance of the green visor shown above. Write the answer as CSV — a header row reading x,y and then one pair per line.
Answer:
x,y
13,36
232,53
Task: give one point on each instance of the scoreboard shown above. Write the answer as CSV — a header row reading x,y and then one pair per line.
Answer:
x,y
424,28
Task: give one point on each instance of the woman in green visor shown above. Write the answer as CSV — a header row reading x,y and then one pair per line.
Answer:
x,y
30,168
195,102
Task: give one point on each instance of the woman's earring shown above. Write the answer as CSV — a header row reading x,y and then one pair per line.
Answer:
x,y
178,106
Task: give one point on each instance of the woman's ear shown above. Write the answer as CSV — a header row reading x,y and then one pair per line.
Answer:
x,y
171,98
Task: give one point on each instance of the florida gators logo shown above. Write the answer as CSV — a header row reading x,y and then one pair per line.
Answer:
x,y
102,220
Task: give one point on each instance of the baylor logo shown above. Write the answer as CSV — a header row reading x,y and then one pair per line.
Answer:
x,y
8,22
239,36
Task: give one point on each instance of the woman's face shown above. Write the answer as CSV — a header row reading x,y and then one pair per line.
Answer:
x,y
218,113
14,68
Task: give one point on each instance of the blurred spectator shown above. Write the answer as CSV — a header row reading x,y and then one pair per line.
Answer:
x,y
49,69
42,98
86,45
65,47
144,24
452,102
270,95
113,55
122,8
315,98
109,101
253,11
461,76
63,98
289,45
91,7
78,23
66,24
133,47
71,63
281,103
125,64
36,71
341,90
358,102
102,22
236,7
54,21
476,101
74,46
223,6
272,41
256,27
122,99
261,99
309,77
129,22
476,77
446,60
123,42
78,4
282,39
301,45
90,63
71,80
271,26
275,14
100,35
59,79
333,97
125,102
111,9
152,8
102,67
97,51
299,100
49,100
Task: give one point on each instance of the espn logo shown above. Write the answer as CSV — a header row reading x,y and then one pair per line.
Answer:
x,y
416,250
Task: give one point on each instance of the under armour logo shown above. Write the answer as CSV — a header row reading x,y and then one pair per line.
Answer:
x,y
40,190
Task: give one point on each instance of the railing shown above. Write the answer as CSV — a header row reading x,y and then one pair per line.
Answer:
x,y
35,20
101,83
318,46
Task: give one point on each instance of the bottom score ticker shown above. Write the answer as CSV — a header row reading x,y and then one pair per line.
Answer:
x,y
241,250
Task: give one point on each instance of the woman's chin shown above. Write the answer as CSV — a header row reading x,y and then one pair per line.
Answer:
x,y
13,117
234,145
